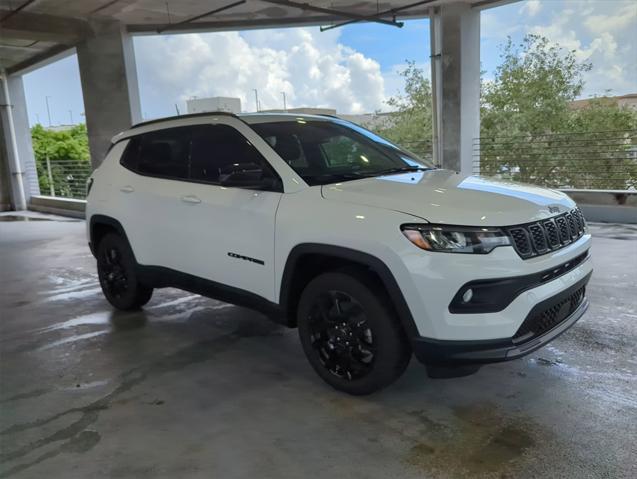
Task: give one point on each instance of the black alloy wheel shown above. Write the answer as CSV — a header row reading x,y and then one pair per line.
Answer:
x,y
115,279
350,332
340,334
116,269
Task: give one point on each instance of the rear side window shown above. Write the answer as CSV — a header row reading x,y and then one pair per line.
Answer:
x,y
164,153
216,148
131,154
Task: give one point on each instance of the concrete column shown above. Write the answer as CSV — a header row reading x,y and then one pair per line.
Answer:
x,y
17,161
456,66
109,85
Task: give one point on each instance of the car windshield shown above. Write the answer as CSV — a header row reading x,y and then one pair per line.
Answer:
x,y
330,151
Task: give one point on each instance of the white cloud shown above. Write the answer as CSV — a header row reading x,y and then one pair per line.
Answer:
x,y
531,8
623,17
492,26
313,69
608,41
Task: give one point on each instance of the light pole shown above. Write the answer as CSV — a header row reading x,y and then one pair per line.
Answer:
x,y
285,107
48,110
256,98
71,115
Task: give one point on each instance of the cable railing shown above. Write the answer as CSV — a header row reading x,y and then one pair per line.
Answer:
x,y
605,160
64,178
422,148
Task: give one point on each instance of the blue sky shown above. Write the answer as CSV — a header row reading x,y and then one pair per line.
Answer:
x,y
354,69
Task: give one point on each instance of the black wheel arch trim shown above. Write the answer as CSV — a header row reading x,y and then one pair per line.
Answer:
x,y
365,259
106,221
161,277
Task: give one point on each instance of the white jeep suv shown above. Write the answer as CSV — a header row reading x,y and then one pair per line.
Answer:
x,y
321,224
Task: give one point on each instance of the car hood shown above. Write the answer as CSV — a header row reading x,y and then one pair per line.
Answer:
x,y
443,196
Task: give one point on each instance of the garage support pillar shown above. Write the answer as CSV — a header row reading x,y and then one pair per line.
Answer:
x,y
109,85
455,73
18,176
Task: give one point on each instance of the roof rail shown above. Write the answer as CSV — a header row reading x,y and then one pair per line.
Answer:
x,y
179,117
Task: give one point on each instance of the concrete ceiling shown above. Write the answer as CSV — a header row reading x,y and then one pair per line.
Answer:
x,y
33,30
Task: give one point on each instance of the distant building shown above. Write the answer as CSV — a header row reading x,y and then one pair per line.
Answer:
x,y
233,105
629,100
216,103
367,120
372,121
60,127
304,111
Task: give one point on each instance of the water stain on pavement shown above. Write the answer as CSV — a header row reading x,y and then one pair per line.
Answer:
x,y
33,218
478,442
76,437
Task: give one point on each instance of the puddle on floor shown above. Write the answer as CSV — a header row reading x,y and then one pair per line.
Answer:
x,y
32,218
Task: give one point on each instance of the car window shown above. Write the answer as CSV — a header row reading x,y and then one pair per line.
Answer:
x,y
217,148
131,153
164,153
289,148
342,151
329,151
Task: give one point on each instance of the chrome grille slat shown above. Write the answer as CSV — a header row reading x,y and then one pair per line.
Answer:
x,y
535,239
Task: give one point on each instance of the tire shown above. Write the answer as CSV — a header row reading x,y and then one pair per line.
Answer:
x,y
350,334
117,274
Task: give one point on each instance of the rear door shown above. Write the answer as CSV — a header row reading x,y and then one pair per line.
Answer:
x,y
151,193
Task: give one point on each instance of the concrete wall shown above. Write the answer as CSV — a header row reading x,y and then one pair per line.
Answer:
x,y
606,206
58,206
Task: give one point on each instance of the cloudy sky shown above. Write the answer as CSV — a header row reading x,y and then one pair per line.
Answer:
x,y
353,69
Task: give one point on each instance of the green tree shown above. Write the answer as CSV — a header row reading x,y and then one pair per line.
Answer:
x,y
68,158
410,123
530,131
532,89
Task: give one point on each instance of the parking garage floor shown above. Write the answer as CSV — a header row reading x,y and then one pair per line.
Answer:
x,y
191,387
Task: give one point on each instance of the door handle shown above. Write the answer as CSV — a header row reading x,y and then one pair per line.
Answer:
x,y
190,199
127,189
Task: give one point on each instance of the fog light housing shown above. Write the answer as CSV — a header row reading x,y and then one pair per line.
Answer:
x,y
468,294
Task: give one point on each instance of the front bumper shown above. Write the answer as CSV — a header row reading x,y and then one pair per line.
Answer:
x,y
440,353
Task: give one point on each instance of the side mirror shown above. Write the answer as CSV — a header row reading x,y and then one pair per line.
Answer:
x,y
245,175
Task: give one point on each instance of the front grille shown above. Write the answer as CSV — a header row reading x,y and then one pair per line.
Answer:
x,y
534,239
538,324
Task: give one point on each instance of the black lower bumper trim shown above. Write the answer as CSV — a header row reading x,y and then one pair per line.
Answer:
x,y
440,353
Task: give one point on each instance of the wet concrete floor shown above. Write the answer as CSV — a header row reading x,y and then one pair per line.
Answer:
x,y
192,387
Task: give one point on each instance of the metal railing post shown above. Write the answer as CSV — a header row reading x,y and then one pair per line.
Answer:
x,y
50,175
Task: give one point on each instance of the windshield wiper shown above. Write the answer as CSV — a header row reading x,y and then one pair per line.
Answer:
x,y
399,169
327,178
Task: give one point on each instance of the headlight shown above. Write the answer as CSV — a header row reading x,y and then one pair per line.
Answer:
x,y
455,239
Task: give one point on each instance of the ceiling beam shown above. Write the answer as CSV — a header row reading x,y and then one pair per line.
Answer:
x,y
44,58
38,26
391,12
338,13
179,25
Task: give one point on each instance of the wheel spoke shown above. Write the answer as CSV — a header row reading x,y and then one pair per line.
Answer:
x,y
113,273
340,335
